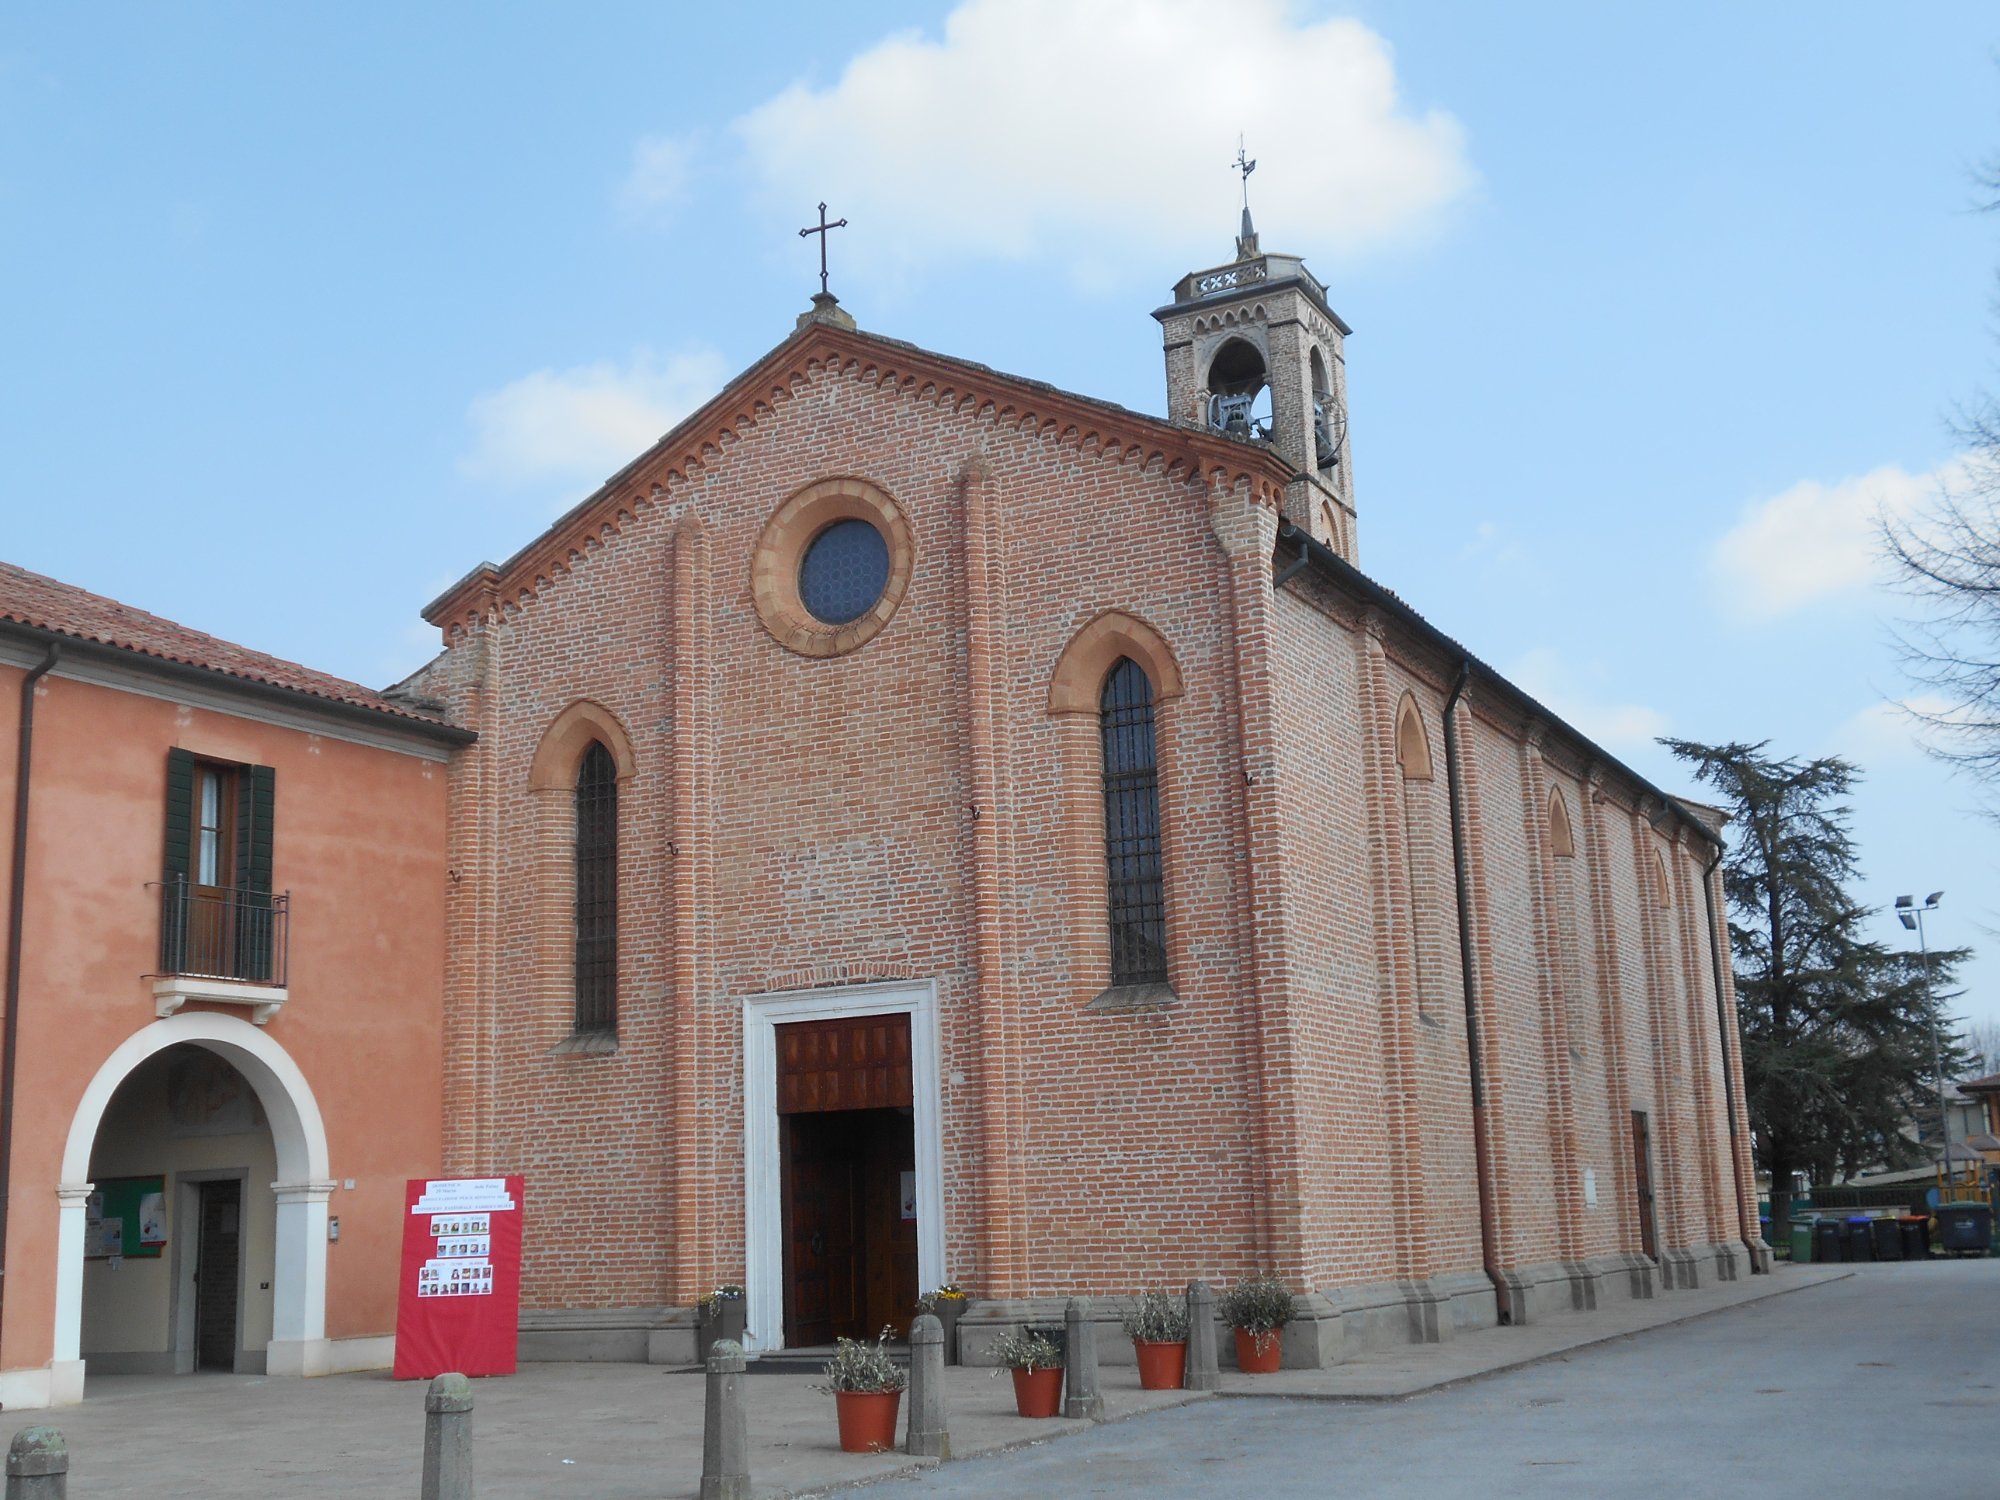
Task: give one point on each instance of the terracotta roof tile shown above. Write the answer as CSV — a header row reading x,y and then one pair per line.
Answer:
x,y
45,604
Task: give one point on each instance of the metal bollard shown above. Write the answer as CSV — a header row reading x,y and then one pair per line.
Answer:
x,y
1204,1373
37,1465
725,1426
1081,1397
448,1439
927,1436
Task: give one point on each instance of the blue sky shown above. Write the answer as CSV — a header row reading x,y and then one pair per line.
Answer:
x,y
310,308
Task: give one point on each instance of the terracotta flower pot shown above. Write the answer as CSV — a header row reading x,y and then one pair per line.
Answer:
x,y
1162,1367
1038,1393
867,1420
1257,1353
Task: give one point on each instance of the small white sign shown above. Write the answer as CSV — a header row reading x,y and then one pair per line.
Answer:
x,y
464,1195
1590,1187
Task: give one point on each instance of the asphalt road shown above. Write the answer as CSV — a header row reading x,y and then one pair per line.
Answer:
x,y
1886,1384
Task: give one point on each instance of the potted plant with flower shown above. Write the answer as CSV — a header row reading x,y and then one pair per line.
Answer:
x,y
867,1386
1257,1308
1157,1324
718,1316
947,1304
1037,1366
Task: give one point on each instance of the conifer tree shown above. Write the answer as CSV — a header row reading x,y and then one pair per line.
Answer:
x,y
1838,1040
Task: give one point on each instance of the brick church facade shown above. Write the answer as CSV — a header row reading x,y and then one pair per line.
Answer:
x,y
929,826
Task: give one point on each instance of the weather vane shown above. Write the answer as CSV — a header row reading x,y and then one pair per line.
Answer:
x,y
821,230
1246,165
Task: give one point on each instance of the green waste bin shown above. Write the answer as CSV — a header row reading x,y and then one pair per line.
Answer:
x,y
1802,1238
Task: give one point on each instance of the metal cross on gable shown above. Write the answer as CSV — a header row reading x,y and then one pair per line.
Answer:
x,y
821,229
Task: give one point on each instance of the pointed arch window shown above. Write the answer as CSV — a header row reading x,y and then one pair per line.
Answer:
x,y
597,891
1132,827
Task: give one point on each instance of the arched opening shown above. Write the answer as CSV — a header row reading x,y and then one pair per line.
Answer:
x,y
179,1228
1239,390
203,1133
1413,746
1329,421
1562,841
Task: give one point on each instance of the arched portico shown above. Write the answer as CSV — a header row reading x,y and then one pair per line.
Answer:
x,y
298,1333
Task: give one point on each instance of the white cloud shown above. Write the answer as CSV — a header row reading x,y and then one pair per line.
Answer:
x,y
1814,540
584,423
1894,729
1087,130
1543,676
661,166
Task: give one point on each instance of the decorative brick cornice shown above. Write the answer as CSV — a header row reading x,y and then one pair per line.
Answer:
x,y
1184,455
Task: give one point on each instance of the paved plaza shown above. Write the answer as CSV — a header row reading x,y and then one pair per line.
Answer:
x,y
1812,1381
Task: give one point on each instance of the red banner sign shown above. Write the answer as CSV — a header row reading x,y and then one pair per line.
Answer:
x,y
459,1303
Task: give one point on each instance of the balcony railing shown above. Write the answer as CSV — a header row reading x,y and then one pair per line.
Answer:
x,y
230,934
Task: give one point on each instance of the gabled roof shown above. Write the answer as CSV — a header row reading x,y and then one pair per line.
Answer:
x,y
47,609
1015,401
1990,1084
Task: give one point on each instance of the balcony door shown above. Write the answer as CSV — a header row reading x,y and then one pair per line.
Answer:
x,y
211,917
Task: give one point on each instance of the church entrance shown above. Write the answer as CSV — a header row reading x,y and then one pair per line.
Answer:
x,y
847,1170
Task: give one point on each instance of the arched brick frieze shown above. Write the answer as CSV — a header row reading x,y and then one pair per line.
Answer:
x,y
1094,650
565,741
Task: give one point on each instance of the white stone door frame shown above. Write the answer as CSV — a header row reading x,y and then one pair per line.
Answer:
x,y
763,1205
298,1135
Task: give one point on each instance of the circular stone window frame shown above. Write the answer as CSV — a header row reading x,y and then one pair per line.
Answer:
x,y
781,549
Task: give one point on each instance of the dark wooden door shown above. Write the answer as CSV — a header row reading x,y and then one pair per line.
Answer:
x,y
218,1264
847,1143
822,1206
1642,1176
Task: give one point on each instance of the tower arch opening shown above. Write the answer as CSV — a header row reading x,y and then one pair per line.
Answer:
x,y
1239,390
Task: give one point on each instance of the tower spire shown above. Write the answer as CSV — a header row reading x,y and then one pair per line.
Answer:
x,y
1246,237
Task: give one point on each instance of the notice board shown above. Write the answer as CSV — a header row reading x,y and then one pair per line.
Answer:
x,y
125,1216
458,1302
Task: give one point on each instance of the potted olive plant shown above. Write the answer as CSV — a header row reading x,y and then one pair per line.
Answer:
x,y
1257,1308
718,1316
1037,1365
1157,1324
946,1304
867,1388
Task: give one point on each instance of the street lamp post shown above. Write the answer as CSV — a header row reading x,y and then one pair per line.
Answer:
x,y
1912,918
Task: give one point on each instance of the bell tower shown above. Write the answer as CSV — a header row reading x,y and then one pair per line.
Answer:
x,y
1254,351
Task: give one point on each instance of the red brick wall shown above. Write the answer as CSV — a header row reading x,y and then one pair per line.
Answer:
x,y
913,809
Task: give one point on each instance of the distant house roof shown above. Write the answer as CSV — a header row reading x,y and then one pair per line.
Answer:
x,y
51,610
1990,1084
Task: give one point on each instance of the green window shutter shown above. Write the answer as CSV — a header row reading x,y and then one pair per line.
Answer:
x,y
256,799
180,816
256,796
175,863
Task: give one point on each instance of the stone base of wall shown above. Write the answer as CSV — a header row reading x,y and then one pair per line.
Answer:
x,y
616,1335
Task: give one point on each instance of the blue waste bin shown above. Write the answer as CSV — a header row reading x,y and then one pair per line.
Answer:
x,y
1860,1238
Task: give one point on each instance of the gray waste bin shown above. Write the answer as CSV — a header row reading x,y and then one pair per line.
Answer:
x,y
1965,1228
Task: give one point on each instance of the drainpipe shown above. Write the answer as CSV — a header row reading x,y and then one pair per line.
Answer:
x,y
1489,1249
17,893
1722,1029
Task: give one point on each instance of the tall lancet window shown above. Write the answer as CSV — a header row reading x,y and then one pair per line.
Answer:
x,y
1132,828
597,891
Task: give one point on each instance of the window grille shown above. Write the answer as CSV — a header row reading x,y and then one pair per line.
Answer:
x,y
597,891
1132,828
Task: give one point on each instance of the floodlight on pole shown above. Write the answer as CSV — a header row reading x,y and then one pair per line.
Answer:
x,y
1912,917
